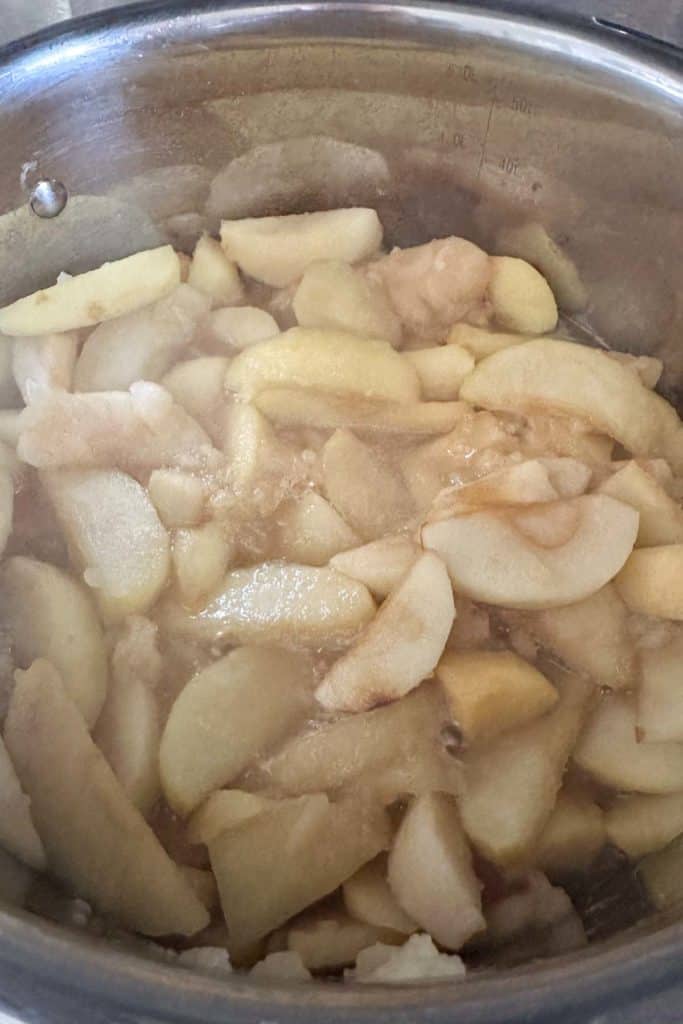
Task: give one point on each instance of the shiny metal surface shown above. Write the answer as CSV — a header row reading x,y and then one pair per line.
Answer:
x,y
448,118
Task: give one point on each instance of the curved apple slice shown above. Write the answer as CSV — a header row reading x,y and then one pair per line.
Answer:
x,y
561,377
651,582
541,556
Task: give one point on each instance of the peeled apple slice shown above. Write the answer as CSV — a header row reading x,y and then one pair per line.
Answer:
x,y
661,516
225,808
651,582
539,556
277,250
562,377
380,565
368,898
102,294
334,294
96,842
521,297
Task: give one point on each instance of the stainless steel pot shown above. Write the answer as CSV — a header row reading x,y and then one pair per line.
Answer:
x,y
466,118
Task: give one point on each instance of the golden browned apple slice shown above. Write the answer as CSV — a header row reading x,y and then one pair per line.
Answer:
x,y
330,939
201,555
489,692
213,274
17,832
85,299
51,615
608,749
430,872
562,377
277,863
441,370
651,582
115,535
537,556
227,716
661,517
521,298
331,361
277,602
225,808
642,824
44,363
309,530
368,898
573,836
660,694
95,839
333,294
510,786
380,565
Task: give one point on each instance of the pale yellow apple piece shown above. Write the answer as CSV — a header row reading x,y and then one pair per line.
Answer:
x,y
400,647
197,386
18,835
368,898
647,368
441,370
276,864
201,556
564,378
224,808
51,615
380,565
661,516
660,694
608,749
573,835
530,241
263,467
510,785
203,884
489,692
213,274
238,327
662,875
642,824
333,294
115,535
330,939
85,299
521,298
309,530
44,363
481,342
95,840
277,250
430,872
651,582
539,556
178,497
227,716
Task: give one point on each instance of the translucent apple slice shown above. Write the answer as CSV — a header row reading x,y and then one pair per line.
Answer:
x,y
311,531
96,841
400,647
380,565
547,555
201,555
651,582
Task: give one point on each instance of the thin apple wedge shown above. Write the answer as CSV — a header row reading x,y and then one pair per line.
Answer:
x,y
661,517
102,294
562,377
651,582
510,786
277,250
380,565
333,294
400,647
521,298
537,556
530,241
431,875
178,497
95,839
51,615
213,274
225,808
276,864
642,824
226,717
368,898
263,467
201,555
573,835
18,834
660,694
277,602
609,751
309,530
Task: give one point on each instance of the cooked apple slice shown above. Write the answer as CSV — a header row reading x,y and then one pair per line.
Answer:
x,y
441,370
565,436
569,476
231,713
51,615
368,898
141,345
521,297
530,241
329,361
96,841
481,342
310,531
354,476
400,647
332,294
380,565
522,483
562,377
573,836
329,939
44,364
17,832
277,863
651,582
489,692
178,497
609,751
197,386
277,602
510,786
238,327
277,250
225,808
430,872
590,636
539,557
646,368
213,274
111,290
201,556
294,407
643,824
661,517
263,468
661,874
115,536
660,694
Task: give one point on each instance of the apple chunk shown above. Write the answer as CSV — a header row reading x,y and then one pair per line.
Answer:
x,y
536,556
430,872
651,582
660,694
400,647
102,294
231,713
95,839
661,517
309,530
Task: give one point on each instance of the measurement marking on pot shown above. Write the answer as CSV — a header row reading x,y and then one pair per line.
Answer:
x,y
486,134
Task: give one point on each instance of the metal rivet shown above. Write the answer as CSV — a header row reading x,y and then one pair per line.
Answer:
x,y
48,198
